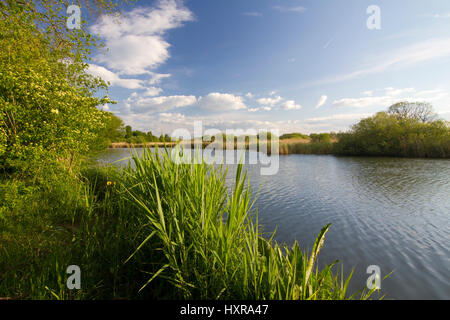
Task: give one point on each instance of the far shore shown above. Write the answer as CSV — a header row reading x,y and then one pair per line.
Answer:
x,y
115,145
204,144
285,146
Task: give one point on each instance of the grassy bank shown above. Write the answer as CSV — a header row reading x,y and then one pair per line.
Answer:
x,y
66,220
161,231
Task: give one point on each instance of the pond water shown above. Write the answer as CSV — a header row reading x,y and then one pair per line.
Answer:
x,y
389,212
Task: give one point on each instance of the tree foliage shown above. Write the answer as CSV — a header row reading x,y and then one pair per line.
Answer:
x,y
397,133
420,111
320,137
127,134
294,135
48,103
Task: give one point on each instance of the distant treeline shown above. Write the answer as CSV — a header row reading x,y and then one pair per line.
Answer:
x,y
295,135
406,129
116,131
402,131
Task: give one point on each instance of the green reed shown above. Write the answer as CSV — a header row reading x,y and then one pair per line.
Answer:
x,y
209,242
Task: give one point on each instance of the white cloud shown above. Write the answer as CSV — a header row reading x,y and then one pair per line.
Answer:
x,y
291,105
172,117
277,102
269,101
146,102
152,91
216,101
137,43
218,110
162,103
322,101
133,54
113,78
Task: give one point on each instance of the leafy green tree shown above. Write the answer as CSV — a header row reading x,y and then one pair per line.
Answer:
x,y
114,131
48,102
392,134
420,111
320,137
138,133
295,135
128,132
151,137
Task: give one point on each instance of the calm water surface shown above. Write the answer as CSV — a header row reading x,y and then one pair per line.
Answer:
x,y
394,213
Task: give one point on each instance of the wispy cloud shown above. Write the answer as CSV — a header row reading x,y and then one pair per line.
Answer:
x,y
328,43
334,117
252,14
298,9
405,57
321,102
391,96
441,15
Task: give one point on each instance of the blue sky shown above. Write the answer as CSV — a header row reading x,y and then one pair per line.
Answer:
x,y
292,65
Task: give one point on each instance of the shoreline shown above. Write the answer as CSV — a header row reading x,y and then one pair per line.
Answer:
x,y
117,145
304,147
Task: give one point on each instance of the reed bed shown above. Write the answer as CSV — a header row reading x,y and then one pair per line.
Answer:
x,y
306,148
208,241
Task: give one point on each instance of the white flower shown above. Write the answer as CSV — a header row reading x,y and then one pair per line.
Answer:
x,y
55,111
